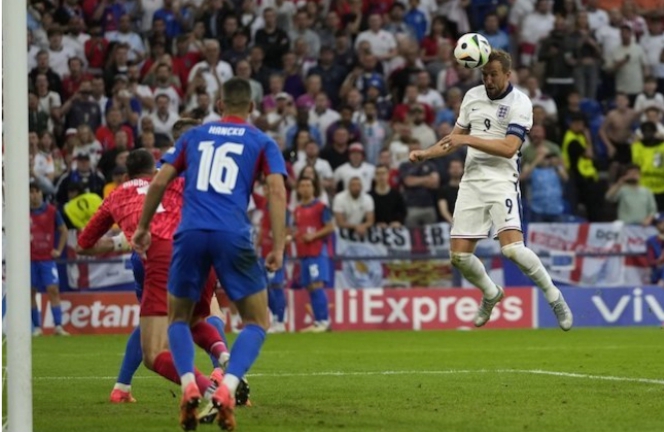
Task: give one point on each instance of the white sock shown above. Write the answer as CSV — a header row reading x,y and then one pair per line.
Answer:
x,y
472,269
123,387
187,379
231,382
531,266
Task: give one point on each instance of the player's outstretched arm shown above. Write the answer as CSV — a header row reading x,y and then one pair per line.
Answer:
x,y
277,209
106,245
440,149
505,147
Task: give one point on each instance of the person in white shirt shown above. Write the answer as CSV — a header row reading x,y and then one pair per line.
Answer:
x,y
353,208
492,124
321,166
608,36
383,44
124,35
536,26
629,64
597,18
58,54
164,85
419,130
374,132
282,118
163,118
49,101
540,99
650,97
321,116
76,38
356,167
215,71
426,94
206,108
653,45
140,91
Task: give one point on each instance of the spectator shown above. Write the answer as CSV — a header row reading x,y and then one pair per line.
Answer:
x,y
647,154
119,176
385,158
49,102
616,130
272,39
336,151
655,252
276,87
302,29
427,95
96,50
546,175
282,118
239,50
82,109
636,203
293,83
178,20
653,45
356,167
629,64
383,103
354,209
215,71
416,19
106,134
83,176
164,117
43,68
329,29
538,140
635,21
88,145
407,74
140,92
48,163
419,181
313,88
597,18
122,98
58,53
46,224
536,26
447,195
383,44
390,209
165,85
321,166
302,123
213,18
99,95
346,121
81,206
540,99
117,66
74,78
374,131
250,19
37,118
403,110
497,38
396,24
557,53
321,116
653,115
587,58
124,35
650,97
67,10
421,131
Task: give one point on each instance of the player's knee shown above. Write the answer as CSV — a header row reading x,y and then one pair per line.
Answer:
x,y
460,259
511,251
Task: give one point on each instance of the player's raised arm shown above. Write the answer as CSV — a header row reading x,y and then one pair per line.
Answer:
x,y
101,222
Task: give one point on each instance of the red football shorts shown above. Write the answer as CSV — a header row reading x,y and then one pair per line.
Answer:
x,y
155,291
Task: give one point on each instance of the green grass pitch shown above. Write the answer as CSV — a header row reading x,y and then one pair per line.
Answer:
x,y
483,381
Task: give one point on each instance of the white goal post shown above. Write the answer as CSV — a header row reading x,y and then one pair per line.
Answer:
x,y
17,225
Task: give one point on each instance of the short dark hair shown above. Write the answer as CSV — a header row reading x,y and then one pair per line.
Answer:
x,y
183,125
237,94
503,58
631,167
140,162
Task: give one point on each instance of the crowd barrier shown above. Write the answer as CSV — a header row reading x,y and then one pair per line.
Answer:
x,y
397,309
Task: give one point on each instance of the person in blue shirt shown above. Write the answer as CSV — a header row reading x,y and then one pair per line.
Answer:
x,y
655,252
177,20
497,38
220,162
416,19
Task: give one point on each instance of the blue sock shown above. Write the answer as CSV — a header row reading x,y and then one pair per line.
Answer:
x,y
36,318
57,315
319,304
181,344
133,357
276,300
245,350
218,324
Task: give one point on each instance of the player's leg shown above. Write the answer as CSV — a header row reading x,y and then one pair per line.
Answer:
x,y
236,319
215,320
314,277
189,269
133,356
244,280
34,312
205,334
49,276
276,300
513,247
506,216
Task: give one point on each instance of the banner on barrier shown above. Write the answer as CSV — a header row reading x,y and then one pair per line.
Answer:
x,y
607,238
85,273
94,313
412,309
607,307
397,270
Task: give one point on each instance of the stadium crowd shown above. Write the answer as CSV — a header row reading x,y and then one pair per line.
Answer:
x,y
347,88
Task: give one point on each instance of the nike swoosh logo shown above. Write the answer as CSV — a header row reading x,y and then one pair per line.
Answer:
x,y
474,109
509,220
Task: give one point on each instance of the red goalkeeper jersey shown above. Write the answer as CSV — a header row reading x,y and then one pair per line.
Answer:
x,y
124,207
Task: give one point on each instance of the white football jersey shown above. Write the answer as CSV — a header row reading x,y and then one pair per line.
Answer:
x,y
494,119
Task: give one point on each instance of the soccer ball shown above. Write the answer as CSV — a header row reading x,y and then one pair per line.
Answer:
x,y
472,50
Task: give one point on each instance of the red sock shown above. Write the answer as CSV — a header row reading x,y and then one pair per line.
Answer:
x,y
202,381
208,338
164,366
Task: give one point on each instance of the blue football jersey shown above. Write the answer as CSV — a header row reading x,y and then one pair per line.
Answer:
x,y
220,162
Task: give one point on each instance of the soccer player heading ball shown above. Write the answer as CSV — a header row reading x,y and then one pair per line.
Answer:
x,y
493,121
